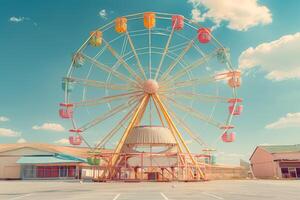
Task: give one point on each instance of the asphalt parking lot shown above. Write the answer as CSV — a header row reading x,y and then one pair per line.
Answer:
x,y
211,190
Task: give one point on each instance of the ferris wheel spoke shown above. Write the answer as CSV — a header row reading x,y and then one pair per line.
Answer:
x,y
109,70
186,128
177,60
108,114
120,124
164,52
121,60
178,46
187,83
196,96
188,68
136,56
107,99
99,84
193,112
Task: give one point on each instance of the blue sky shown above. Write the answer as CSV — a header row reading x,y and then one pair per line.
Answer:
x,y
38,38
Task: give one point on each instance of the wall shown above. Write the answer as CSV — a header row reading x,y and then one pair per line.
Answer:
x,y
288,156
8,167
220,172
263,165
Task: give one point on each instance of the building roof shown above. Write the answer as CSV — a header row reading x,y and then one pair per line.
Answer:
x,y
57,158
277,149
81,152
281,148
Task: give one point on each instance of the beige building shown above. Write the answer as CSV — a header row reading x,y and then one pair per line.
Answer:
x,y
26,161
276,161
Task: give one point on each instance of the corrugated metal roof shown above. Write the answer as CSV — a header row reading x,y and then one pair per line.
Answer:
x,y
70,150
281,148
57,158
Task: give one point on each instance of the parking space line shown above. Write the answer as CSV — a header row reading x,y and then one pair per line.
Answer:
x,y
20,197
212,195
164,196
117,196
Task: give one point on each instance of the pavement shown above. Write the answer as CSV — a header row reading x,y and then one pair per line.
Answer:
x,y
210,190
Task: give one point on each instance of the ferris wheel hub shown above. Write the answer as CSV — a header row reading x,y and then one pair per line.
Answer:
x,y
150,86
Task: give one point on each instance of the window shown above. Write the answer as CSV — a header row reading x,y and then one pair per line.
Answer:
x,y
71,171
298,172
290,172
284,170
62,171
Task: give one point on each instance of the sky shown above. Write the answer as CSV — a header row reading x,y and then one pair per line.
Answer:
x,y
38,38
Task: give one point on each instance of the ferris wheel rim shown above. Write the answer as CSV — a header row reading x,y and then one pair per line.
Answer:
x,y
109,25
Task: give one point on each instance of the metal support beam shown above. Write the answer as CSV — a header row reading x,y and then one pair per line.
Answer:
x,y
162,107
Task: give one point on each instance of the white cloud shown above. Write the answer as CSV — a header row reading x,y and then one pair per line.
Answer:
x,y
4,119
196,15
9,133
239,16
49,127
279,58
21,140
288,121
103,14
62,141
17,19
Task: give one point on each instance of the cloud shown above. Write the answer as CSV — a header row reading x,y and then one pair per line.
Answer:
x,y
103,14
9,133
279,58
49,127
62,141
196,15
14,19
239,16
17,20
4,119
291,120
21,140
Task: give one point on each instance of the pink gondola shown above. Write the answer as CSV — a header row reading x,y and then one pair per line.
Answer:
x,y
66,111
177,22
75,140
204,35
235,108
235,111
228,137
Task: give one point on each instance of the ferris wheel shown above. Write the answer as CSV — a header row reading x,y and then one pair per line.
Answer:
x,y
155,69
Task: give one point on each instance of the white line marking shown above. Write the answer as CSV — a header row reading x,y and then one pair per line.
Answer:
x,y
116,197
20,197
212,195
164,196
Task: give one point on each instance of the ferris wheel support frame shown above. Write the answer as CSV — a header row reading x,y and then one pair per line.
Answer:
x,y
110,170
